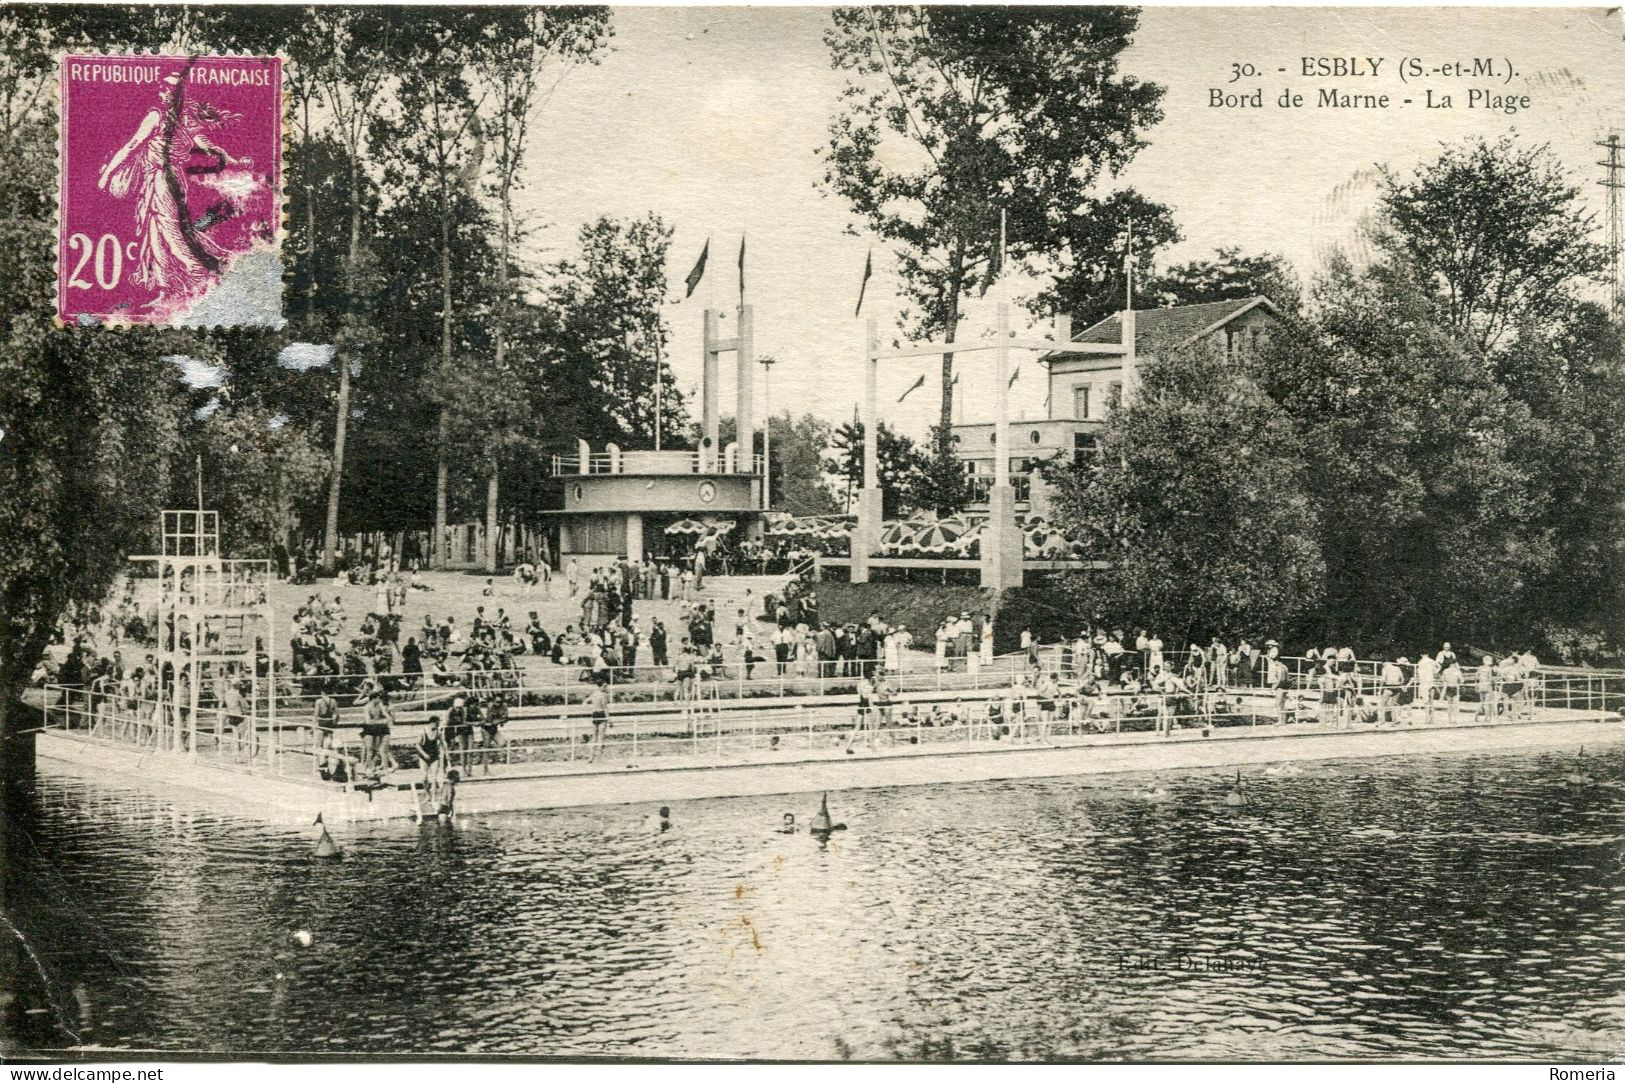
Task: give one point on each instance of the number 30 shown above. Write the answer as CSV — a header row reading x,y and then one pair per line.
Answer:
x,y
109,256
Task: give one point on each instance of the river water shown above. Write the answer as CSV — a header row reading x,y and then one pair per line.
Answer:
x,y
1465,906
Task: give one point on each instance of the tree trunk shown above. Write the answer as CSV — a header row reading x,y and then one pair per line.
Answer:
x,y
501,344
310,222
340,431
16,670
443,433
341,426
945,417
491,534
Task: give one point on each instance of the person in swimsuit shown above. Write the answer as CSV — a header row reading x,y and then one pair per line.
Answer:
x,y
378,724
496,716
431,747
460,728
327,724
598,703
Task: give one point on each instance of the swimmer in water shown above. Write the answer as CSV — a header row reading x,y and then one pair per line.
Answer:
x,y
789,826
659,824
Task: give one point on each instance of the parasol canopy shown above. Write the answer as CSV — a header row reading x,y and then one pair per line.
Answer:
x,y
799,526
901,532
688,526
947,535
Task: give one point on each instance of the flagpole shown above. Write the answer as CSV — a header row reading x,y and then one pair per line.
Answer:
x,y
660,387
767,364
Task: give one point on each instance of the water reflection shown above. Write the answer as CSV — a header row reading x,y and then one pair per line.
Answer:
x,y
1433,907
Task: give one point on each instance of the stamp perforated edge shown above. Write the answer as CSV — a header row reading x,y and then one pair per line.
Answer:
x,y
280,198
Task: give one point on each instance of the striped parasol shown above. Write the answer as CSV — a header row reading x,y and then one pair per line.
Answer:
x,y
798,526
900,533
953,534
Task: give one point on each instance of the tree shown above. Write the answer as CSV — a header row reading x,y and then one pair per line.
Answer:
x,y
1198,497
1569,373
1228,276
87,417
1428,521
798,468
937,482
952,115
799,474
508,62
1495,232
259,471
898,462
349,73
606,370
1088,281
439,140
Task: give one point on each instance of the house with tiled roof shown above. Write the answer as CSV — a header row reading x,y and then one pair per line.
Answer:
x,y
1083,388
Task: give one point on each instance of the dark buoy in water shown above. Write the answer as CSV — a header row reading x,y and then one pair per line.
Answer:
x,y
326,848
1235,796
658,824
820,824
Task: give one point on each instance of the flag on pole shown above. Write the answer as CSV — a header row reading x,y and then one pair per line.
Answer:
x,y
741,270
868,269
698,272
1014,376
916,385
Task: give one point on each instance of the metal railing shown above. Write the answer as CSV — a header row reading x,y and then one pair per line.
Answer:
x,y
708,719
286,749
569,683
646,462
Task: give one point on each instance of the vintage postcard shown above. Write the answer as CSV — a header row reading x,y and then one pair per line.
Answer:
x,y
943,533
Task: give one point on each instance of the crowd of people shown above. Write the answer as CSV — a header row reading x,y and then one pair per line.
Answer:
x,y
1338,688
1100,679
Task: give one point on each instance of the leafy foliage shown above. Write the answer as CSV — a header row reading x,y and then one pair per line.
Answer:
x,y
1199,499
606,339
897,462
1428,517
1495,232
1229,275
952,115
258,472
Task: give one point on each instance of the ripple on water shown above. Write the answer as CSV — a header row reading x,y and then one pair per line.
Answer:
x,y
1418,908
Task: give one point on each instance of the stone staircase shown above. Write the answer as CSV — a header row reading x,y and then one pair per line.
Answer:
x,y
730,593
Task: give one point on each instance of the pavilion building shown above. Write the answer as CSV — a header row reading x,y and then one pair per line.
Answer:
x,y
642,503
1083,389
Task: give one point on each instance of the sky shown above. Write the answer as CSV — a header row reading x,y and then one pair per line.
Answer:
x,y
712,118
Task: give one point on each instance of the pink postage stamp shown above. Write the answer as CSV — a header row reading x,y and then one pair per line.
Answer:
x,y
171,179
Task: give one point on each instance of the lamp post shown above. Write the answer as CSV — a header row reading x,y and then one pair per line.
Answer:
x,y
767,362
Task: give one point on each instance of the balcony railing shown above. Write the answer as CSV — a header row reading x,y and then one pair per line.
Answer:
x,y
646,462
